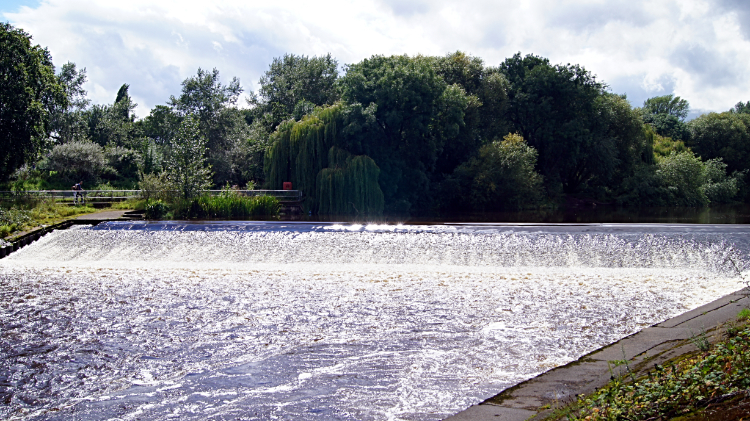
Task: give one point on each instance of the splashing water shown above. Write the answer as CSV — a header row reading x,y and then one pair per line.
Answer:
x,y
303,321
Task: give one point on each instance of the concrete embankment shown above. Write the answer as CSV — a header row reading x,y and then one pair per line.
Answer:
x,y
654,345
27,238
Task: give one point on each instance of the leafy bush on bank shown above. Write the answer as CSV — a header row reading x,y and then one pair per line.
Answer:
x,y
717,373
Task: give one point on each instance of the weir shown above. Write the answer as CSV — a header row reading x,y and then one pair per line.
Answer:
x,y
326,321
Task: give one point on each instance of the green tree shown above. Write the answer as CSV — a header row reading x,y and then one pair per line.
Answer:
x,y
484,117
401,112
741,108
160,125
683,175
555,109
502,176
667,104
225,128
722,135
68,122
186,165
292,86
29,90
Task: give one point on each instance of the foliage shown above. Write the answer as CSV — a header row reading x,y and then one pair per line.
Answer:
x,y
725,135
718,187
682,174
155,209
67,119
160,125
349,185
228,204
334,181
667,104
741,107
401,113
29,89
78,161
667,125
293,85
124,161
186,165
673,390
665,146
554,109
25,214
502,176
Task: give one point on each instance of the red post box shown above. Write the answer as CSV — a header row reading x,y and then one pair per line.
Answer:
x,y
287,185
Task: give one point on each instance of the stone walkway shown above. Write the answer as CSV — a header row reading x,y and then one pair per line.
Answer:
x,y
653,345
103,216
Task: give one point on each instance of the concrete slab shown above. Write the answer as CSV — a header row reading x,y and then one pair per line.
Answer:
x,y
702,310
101,216
640,342
488,412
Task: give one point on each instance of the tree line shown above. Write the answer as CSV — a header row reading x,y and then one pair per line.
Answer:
x,y
397,134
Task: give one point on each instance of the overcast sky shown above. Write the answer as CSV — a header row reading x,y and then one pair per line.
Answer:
x,y
697,49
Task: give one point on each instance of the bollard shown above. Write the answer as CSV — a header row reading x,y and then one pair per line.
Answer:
x,y
3,252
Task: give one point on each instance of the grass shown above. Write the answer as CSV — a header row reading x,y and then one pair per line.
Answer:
x,y
27,214
698,386
228,204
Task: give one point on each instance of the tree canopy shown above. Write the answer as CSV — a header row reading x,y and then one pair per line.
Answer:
x,y
29,90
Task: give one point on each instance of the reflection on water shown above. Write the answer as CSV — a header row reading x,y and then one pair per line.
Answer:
x,y
326,321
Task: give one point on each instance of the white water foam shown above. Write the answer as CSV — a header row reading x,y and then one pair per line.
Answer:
x,y
343,323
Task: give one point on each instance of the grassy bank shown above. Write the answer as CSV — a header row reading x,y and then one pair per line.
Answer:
x,y
709,384
23,215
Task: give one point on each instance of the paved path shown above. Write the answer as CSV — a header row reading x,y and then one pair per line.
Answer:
x,y
103,216
653,345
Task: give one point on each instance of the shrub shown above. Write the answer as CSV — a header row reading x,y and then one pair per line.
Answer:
x,y
157,187
156,209
683,175
78,160
124,161
502,176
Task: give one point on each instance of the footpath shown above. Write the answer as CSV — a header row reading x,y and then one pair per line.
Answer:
x,y
539,396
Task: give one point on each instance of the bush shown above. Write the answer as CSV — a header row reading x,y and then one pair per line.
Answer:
x,y
502,176
78,161
718,187
683,176
124,161
156,209
157,187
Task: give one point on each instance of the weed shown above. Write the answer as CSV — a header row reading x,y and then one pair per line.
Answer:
x,y
700,341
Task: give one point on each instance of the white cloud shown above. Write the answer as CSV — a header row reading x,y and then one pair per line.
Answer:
x,y
698,49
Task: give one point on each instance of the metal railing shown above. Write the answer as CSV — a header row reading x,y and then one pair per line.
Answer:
x,y
119,195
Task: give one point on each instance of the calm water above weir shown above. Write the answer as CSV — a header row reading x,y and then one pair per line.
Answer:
x,y
324,321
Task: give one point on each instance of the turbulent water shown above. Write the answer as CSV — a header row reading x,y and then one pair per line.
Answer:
x,y
305,321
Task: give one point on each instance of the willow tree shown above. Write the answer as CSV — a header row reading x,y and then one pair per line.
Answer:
x,y
306,153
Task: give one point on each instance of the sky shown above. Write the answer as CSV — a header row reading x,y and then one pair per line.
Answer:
x,y
696,49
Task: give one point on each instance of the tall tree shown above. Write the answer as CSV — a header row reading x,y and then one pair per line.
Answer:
x,y
186,163
667,104
402,113
29,90
554,109
294,83
68,123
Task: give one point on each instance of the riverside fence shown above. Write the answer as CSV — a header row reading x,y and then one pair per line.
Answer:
x,y
109,196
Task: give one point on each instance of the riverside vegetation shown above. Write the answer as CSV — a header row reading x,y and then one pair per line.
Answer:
x,y
395,135
711,383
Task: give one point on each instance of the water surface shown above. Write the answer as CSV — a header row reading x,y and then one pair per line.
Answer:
x,y
330,321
